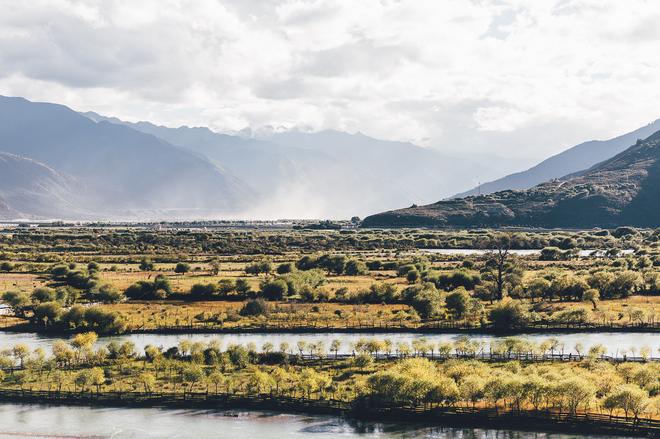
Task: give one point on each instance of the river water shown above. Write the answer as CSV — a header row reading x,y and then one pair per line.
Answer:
x,y
521,252
64,422
616,343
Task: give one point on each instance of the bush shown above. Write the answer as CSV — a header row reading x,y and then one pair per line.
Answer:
x,y
59,271
257,307
274,290
508,315
425,299
355,267
146,265
47,313
374,265
182,267
202,291
457,302
109,294
145,290
456,279
412,276
43,294
259,267
285,268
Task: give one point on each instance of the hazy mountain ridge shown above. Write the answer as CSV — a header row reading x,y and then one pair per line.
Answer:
x,y
117,169
570,161
622,190
32,189
322,174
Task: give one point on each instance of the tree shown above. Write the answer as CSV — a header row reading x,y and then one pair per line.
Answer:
x,y
145,290
355,267
472,388
257,307
192,375
47,313
333,263
109,294
287,267
147,380
508,315
83,379
43,294
146,265
242,286
576,391
216,379
457,302
335,345
18,301
412,276
214,266
96,378
202,291
591,295
424,298
500,246
275,289
20,351
182,268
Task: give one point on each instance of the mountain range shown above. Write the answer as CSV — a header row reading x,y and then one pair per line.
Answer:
x,y
624,189
110,170
575,159
56,163
322,174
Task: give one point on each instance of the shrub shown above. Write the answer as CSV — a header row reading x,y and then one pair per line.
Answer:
x,y
457,302
355,267
202,291
256,307
43,294
275,289
508,315
285,268
182,267
109,294
145,290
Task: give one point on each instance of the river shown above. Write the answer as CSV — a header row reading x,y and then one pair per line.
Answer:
x,y
616,343
519,252
64,422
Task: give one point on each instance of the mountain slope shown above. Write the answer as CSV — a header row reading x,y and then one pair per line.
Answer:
x,y
31,189
322,174
575,159
622,190
119,170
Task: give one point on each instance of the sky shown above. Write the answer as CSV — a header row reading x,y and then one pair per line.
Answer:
x,y
517,79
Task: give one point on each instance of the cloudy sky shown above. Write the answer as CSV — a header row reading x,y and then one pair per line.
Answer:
x,y
513,78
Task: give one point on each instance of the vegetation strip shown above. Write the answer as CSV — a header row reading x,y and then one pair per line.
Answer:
x,y
586,394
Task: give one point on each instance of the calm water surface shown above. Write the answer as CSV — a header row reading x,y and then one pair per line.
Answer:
x,y
41,421
615,342
522,252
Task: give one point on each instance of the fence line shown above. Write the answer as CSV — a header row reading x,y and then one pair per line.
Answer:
x,y
396,326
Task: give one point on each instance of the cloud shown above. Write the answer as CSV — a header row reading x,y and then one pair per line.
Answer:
x,y
477,77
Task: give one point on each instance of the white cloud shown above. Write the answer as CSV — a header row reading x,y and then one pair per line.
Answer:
x,y
464,76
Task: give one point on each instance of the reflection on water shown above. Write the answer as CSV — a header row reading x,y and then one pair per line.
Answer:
x,y
41,421
615,342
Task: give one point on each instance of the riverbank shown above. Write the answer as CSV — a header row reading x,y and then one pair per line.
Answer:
x,y
533,421
434,328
